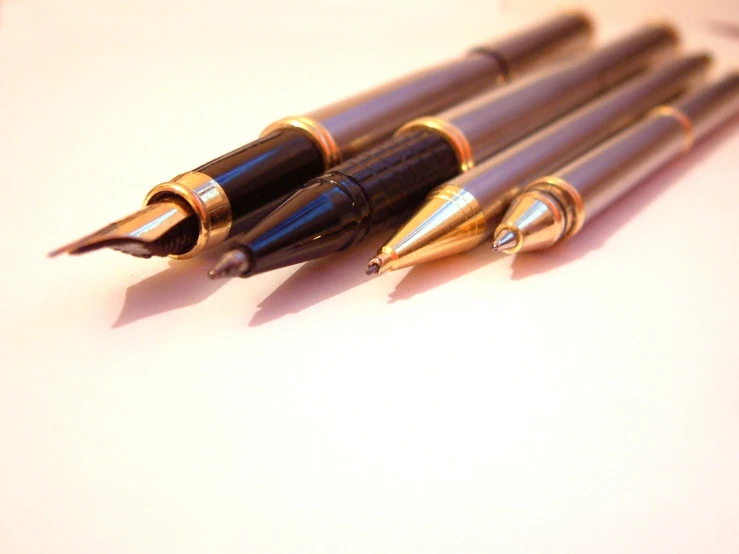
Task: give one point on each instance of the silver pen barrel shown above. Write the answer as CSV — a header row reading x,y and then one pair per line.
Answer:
x,y
575,134
348,127
483,125
555,207
619,165
464,211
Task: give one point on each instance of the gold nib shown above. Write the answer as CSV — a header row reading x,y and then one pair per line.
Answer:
x,y
136,234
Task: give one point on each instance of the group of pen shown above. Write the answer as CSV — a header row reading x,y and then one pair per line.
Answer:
x,y
478,149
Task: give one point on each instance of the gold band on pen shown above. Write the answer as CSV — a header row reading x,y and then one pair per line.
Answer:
x,y
575,207
456,138
569,204
207,200
682,119
317,132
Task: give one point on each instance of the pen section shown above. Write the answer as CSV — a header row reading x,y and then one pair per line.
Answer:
x,y
259,176
397,174
340,207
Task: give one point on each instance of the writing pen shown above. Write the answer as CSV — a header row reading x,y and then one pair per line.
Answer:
x,y
345,204
200,209
555,207
464,212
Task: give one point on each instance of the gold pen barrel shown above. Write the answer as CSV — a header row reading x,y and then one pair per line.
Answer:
x,y
346,128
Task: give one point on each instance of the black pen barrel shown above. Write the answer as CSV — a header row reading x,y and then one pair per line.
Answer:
x,y
341,207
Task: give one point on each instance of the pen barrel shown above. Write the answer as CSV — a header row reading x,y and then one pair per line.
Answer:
x,y
613,169
564,35
341,207
397,173
487,120
365,119
576,133
707,109
384,179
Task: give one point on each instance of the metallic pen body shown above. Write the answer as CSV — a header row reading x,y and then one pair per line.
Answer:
x,y
464,211
482,126
361,121
228,195
348,202
556,206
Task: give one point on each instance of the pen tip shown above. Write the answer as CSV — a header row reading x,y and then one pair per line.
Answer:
x,y
505,241
234,263
373,268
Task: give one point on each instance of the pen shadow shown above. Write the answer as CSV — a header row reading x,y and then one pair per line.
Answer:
x,y
184,283
725,28
596,232
319,280
427,276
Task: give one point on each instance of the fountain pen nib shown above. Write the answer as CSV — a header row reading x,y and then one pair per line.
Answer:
x,y
160,229
234,263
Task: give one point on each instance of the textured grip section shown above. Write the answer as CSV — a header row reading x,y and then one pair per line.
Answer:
x,y
398,173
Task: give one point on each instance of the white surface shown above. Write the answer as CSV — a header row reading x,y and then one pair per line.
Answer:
x,y
582,400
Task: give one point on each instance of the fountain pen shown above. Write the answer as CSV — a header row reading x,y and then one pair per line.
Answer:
x,y
464,212
342,206
555,207
200,209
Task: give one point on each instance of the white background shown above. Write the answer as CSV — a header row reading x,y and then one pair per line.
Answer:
x,y
580,400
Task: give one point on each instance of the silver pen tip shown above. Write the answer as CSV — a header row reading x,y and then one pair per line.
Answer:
x,y
234,263
505,241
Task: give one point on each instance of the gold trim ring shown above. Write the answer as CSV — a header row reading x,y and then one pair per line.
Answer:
x,y
450,133
682,119
576,204
209,203
317,132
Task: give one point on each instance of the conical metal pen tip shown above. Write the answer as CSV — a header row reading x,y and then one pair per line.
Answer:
x,y
506,241
234,263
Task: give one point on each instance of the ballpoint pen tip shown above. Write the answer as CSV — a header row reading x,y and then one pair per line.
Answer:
x,y
506,241
234,263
